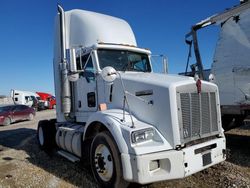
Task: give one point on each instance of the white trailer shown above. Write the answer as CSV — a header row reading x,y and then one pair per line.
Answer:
x,y
230,69
129,123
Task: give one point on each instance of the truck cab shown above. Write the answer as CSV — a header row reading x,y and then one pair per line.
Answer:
x,y
24,97
47,99
131,124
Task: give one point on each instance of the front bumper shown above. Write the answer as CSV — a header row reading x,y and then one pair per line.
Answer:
x,y
173,164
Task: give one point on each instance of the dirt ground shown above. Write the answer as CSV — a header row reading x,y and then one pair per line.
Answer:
x,y
23,164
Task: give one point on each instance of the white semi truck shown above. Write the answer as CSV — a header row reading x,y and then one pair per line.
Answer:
x,y
131,124
230,68
27,98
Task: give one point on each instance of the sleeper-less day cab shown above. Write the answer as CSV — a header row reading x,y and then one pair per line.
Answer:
x,y
131,124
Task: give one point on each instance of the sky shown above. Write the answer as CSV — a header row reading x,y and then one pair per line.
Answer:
x,y
27,28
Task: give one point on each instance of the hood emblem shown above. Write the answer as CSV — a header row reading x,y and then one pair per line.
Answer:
x,y
198,85
144,93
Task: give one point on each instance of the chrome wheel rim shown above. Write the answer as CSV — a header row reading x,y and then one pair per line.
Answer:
x,y
103,162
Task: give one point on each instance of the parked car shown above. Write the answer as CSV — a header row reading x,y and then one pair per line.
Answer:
x,y
13,113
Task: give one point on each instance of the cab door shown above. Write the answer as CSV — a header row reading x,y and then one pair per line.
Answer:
x,y
86,86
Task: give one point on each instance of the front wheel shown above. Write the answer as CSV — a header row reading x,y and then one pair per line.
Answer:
x,y
31,117
106,162
6,121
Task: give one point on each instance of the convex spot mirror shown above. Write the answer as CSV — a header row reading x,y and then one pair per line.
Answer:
x,y
109,74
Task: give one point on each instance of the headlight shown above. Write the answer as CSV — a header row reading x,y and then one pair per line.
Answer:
x,y
142,135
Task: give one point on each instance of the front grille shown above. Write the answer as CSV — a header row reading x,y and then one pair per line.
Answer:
x,y
197,114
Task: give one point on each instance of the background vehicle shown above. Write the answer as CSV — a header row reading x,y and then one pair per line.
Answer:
x,y
113,111
13,113
26,98
230,68
48,99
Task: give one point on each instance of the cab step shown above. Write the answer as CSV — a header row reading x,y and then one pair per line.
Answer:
x,y
68,156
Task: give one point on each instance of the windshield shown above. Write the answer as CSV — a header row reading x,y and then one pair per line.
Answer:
x,y
123,60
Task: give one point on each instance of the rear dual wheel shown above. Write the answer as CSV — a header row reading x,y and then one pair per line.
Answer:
x,y
46,132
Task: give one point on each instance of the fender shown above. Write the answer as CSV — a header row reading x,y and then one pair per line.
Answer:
x,y
111,119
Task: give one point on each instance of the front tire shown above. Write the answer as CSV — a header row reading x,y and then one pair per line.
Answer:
x,y
31,117
46,132
106,162
7,121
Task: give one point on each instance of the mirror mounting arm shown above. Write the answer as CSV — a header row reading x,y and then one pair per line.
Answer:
x,y
109,74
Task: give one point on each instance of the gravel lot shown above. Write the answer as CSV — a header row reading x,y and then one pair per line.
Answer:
x,y
23,164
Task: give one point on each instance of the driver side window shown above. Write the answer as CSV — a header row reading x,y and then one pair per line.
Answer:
x,y
89,65
86,64
140,65
139,62
81,62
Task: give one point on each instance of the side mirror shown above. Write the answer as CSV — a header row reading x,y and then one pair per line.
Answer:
x,y
109,74
165,64
71,56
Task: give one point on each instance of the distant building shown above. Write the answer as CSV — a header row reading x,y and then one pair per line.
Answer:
x,y
5,100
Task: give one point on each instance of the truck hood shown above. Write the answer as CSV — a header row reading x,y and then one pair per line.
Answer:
x,y
161,80
152,99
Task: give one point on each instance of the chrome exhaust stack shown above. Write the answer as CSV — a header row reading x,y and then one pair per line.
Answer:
x,y
65,85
